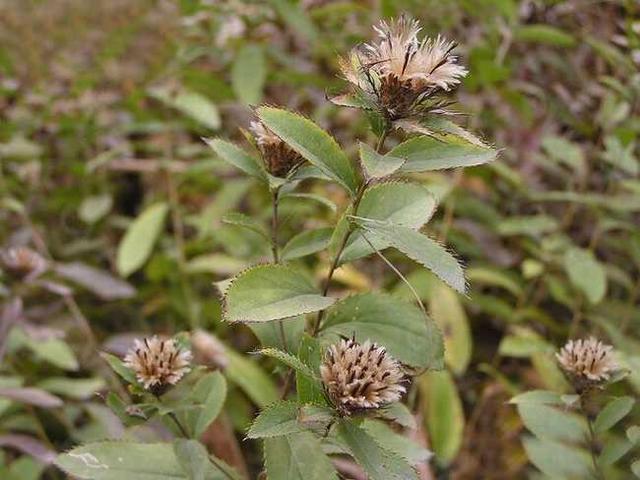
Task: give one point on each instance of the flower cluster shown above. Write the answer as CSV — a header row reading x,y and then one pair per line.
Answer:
x,y
158,363
279,158
400,75
587,362
360,376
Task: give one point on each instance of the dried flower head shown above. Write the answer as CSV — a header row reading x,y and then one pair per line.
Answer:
x,y
158,363
23,262
587,362
279,158
402,75
208,350
360,376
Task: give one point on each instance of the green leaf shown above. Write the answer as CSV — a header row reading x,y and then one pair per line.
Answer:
x,y
250,377
311,196
78,388
614,449
558,460
237,157
312,143
612,413
378,462
377,166
198,465
407,204
271,292
309,390
444,417
532,225
248,74
401,445
297,456
53,350
398,413
95,207
288,360
270,335
245,221
278,419
449,314
420,248
549,422
118,366
539,397
306,243
126,461
136,246
544,34
586,273
192,104
415,340
427,153
208,396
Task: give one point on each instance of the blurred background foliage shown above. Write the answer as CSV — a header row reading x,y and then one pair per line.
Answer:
x,y
103,107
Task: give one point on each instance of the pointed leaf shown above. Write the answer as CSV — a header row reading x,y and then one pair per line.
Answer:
x,y
137,243
271,292
278,419
427,153
376,165
612,413
420,248
310,390
306,243
237,157
248,73
312,143
288,360
297,456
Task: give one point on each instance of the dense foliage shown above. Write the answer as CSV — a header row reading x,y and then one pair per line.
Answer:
x,y
355,267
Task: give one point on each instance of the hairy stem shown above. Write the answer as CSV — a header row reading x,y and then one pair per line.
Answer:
x,y
592,440
276,254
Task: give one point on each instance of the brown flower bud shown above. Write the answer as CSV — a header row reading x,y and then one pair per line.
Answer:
x,y
279,158
360,377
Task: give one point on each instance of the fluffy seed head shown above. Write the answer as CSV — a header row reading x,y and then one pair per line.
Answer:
x,y
587,362
360,376
279,158
23,262
158,363
402,72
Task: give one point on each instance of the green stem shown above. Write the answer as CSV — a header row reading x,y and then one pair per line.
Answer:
x,y
183,431
276,254
345,238
592,442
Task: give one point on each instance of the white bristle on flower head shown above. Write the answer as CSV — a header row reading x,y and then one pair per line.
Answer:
x,y
158,363
590,359
426,63
361,376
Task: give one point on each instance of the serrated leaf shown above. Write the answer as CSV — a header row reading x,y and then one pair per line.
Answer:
x,y
398,413
415,341
136,245
208,396
612,413
248,74
237,157
425,153
407,204
448,312
278,419
313,143
306,243
378,462
288,360
192,104
586,273
557,459
271,292
376,165
297,456
401,445
444,417
419,248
